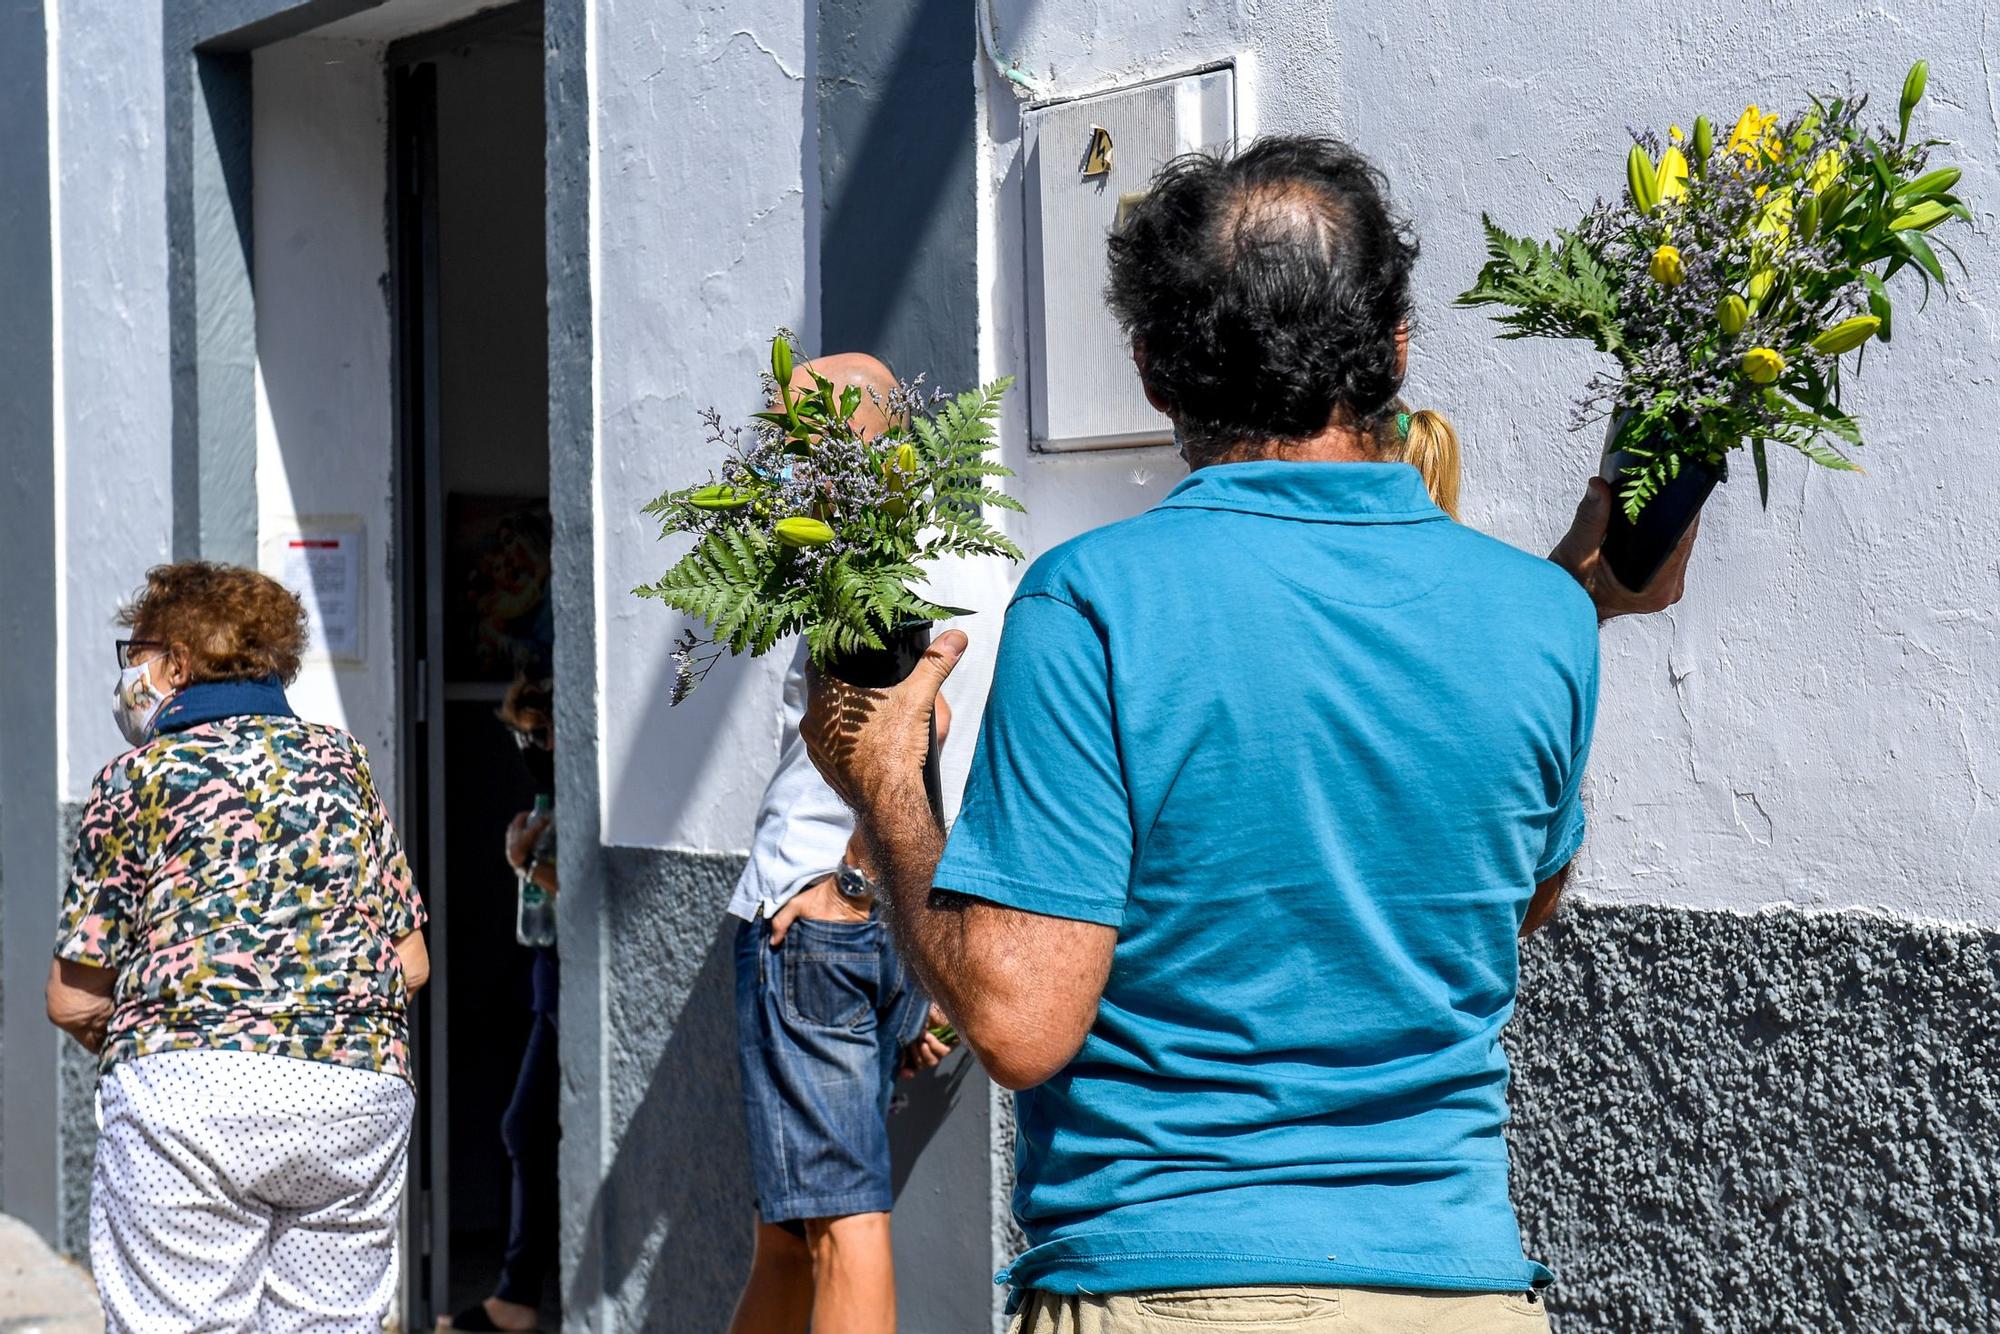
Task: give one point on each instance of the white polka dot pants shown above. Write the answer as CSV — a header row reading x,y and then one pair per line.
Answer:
x,y
243,1192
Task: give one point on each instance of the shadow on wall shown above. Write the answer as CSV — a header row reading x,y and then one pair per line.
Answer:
x,y
898,273
671,1222
673,1209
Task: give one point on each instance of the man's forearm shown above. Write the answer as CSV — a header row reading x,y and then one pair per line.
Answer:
x,y
905,843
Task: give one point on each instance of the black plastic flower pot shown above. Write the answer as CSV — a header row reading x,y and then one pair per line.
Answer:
x,y
1636,549
887,667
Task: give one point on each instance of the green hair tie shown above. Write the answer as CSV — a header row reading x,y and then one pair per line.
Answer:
x,y
1403,426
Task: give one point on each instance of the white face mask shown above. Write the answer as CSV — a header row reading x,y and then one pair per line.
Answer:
x,y
135,702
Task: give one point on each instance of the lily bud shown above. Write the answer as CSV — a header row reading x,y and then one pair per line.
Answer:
x,y
900,466
1732,313
1914,84
803,532
721,496
1846,335
1704,143
1760,286
1913,93
781,361
898,470
1930,183
1763,365
1806,220
1642,179
1667,268
1921,218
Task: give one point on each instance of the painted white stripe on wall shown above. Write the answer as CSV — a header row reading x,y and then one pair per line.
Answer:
x,y
698,256
325,423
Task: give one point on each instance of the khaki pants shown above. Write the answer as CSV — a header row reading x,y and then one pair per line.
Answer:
x,y
1282,1311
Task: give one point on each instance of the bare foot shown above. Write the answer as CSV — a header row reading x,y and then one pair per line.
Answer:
x,y
503,1314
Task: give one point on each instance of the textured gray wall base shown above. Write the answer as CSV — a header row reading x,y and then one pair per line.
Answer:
x,y
76,1103
1756,1123
675,1205
673,1209
76,1108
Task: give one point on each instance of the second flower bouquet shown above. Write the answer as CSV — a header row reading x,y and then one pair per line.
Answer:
x,y
813,526
1728,281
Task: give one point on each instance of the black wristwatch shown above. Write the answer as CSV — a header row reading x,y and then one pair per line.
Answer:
x,y
853,883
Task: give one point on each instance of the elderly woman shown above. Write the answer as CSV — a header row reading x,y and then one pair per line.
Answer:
x,y
239,942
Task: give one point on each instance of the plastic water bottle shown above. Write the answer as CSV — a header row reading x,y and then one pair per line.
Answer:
x,y
534,910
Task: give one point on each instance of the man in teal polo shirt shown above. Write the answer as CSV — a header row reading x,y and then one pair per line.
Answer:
x,y
1270,780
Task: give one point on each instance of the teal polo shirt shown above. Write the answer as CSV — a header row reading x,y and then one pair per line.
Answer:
x,y
1308,746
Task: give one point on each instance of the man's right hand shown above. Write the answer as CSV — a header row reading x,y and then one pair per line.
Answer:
x,y
821,901
524,831
1581,553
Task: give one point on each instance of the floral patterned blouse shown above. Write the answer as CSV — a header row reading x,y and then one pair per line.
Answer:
x,y
243,879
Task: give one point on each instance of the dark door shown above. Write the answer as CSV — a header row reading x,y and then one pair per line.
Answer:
x,y
470,293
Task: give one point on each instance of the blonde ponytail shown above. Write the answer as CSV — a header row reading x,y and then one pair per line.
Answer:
x,y
1430,443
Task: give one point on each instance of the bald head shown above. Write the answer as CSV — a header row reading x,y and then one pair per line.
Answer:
x,y
874,378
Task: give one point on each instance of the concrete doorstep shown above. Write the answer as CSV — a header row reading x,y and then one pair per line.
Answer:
x,y
40,1292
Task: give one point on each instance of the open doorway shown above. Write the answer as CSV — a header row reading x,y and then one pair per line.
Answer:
x,y
466,118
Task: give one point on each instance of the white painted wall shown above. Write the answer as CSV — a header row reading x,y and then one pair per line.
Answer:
x,y
1819,723
699,254
325,428
114,413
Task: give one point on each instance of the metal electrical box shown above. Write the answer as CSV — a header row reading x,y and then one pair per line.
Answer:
x,y
1085,159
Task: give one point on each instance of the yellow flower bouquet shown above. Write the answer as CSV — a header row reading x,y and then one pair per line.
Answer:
x,y
1728,280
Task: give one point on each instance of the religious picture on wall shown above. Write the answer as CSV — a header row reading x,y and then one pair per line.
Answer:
x,y
497,616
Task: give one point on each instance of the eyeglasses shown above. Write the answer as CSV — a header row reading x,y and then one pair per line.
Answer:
x,y
539,737
128,650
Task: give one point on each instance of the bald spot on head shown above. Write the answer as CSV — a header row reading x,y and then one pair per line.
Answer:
x,y
1280,213
875,379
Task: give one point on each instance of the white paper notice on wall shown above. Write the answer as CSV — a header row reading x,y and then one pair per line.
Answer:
x,y
321,561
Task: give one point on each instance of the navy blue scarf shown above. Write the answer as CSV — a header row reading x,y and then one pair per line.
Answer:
x,y
207,701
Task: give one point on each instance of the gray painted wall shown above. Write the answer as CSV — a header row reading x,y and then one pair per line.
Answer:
x,y
29,781
573,590
1745,1123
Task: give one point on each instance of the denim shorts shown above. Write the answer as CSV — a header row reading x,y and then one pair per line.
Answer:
x,y
821,1024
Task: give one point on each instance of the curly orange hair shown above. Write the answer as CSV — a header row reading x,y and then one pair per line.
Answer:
x,y
227,623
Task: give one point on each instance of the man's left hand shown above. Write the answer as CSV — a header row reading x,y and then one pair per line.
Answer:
x,y
870,745
929,1049
820,901
1580,552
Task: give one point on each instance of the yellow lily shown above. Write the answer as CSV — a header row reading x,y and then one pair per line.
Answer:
x,y
1667,268
1825,170
1763,365
1774,220
1673,173
1755,135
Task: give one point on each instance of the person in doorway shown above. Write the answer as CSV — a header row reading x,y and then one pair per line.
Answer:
x,y
530,1128
1270,781
239,942
826,1019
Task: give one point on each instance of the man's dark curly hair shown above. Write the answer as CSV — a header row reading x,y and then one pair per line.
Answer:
x,y
1264,292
